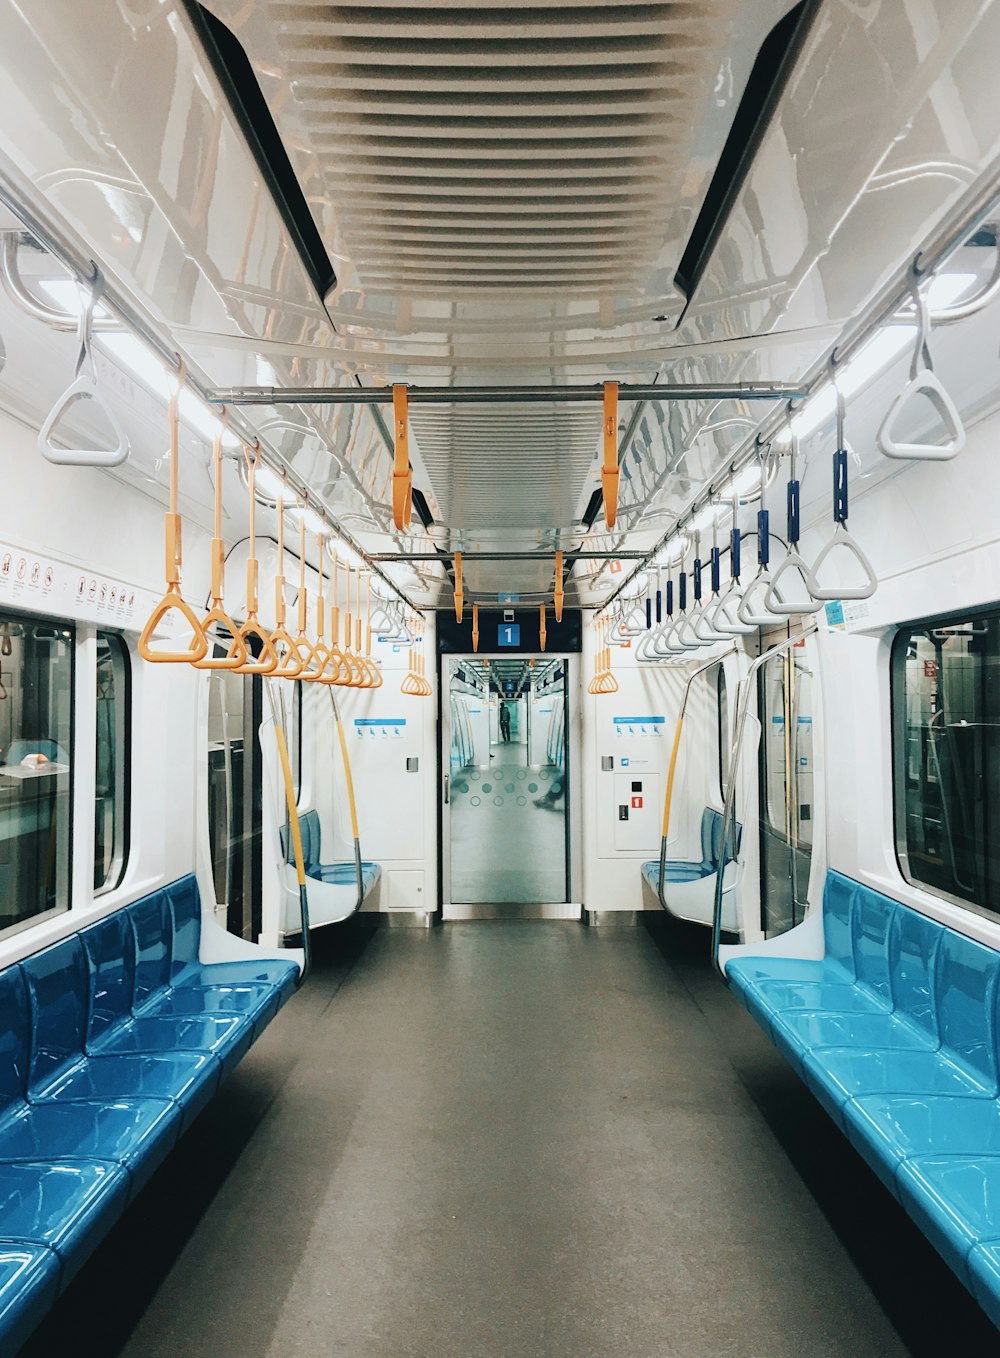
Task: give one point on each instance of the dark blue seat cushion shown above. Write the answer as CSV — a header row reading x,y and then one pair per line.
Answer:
x,y
136,1134
345,874
684,870
67,1207
334,874
185,969
29,1284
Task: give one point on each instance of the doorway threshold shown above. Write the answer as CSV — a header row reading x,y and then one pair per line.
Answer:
x,y
512,910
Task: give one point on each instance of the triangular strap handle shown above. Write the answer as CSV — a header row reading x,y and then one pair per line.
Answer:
x,y
704,627
775,602
411,685
268,660
172,602
290,662
687,635
747,611
924,383
235,656
726,618
315,660
842,541
84,389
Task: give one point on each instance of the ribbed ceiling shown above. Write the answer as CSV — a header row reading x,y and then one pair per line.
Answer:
x,y
513,468
533,147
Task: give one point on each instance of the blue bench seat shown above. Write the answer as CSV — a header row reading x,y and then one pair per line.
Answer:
x,y
678,870
335,896
895,1030
29,1284
111,1041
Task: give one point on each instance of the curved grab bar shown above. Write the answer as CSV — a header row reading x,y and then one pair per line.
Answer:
x,y
351,803
672,768
959,311
18,292
729,805
296,835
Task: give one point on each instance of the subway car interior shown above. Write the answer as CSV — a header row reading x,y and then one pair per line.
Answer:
x,y
499,679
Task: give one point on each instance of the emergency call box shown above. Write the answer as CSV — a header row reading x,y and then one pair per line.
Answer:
x,y
638,812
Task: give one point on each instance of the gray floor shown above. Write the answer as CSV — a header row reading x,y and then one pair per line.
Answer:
x,y
496,1140
504,847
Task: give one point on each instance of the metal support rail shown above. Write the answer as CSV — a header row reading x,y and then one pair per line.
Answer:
x,y
668,798
542,557
561,393
729,806
977,207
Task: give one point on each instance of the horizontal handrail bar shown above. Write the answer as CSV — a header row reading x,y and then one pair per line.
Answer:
x,y
355,396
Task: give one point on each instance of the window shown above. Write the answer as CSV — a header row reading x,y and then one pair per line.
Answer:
x,y
722,713
36,716
111,768
946,765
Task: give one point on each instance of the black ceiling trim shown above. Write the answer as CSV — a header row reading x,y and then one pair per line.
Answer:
x,y
232,68
775,60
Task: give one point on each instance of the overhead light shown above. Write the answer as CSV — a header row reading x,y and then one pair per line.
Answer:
x,y
137,358
347,556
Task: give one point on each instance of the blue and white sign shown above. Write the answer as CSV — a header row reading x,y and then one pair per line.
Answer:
x,y
638,726
509,634
509,598
373,727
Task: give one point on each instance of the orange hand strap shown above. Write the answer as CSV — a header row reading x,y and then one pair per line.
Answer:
x,y
402,476
610,473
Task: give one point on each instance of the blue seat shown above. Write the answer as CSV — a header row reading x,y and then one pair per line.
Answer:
x,y
895,1031
170,981
682,870
187,971
61,1069
29,1283
134,1133
113,1026
334,874
68,1207
111,1041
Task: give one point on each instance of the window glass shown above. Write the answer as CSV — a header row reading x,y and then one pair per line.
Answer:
x,y
111,768
946,728
36,714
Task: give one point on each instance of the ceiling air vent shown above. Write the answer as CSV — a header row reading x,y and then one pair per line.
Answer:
x,y
768,77
234,72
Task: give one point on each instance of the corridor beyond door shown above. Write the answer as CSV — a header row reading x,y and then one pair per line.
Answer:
x,y
506,800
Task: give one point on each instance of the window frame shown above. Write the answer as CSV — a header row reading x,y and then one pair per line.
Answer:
x,y
897,740
71,626
122,823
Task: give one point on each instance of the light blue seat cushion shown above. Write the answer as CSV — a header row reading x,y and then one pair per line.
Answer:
x,y
29,1284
